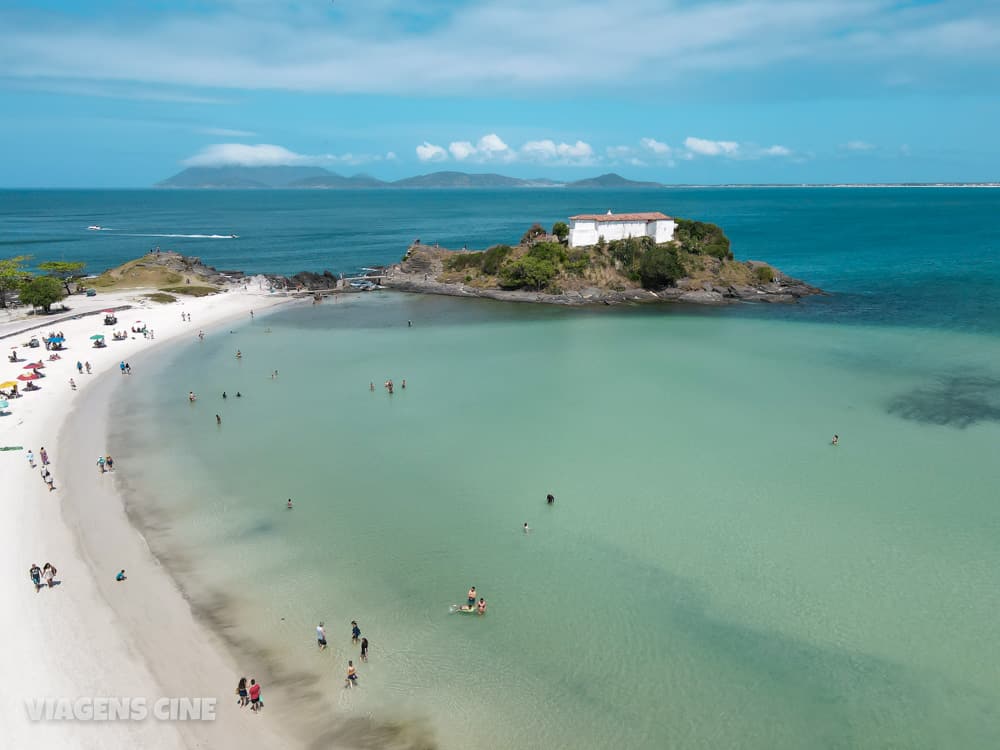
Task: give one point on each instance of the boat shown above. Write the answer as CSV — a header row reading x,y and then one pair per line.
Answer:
x,y
95,228
234,236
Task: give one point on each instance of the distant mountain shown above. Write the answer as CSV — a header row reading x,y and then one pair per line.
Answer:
x,y
241,177
459,180
332,181
611,181
317,178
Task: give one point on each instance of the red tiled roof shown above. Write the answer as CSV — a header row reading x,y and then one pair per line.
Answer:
x,y
647,216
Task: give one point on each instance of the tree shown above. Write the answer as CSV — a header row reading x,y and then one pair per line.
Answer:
x,y
65,271
659,267
534,231
494,257
12,275
702,238
42,291
560,230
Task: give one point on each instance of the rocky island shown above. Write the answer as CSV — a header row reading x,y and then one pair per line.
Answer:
x,y
695,265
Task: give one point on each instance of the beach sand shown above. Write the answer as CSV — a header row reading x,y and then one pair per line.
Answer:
x,y
91,636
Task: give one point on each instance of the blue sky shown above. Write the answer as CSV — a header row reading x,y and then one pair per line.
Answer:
x,y
122,94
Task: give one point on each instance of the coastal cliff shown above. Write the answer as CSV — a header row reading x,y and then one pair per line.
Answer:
x,y
696,267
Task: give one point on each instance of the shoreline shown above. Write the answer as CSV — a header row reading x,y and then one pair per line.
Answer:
x,y
140,638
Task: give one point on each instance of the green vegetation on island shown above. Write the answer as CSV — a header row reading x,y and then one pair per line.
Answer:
x,y
18,280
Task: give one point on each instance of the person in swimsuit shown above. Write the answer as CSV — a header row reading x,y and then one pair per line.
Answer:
x,y
241,691
289,506
355,631
472,596
364,649
481,607
836,439
35,573
321,636
352,675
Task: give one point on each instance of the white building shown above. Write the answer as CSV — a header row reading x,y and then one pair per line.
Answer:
x,y
587,229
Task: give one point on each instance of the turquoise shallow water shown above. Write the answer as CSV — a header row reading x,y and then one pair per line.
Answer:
x,y
712,574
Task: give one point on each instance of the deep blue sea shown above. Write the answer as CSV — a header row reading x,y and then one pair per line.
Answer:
x,y
891,256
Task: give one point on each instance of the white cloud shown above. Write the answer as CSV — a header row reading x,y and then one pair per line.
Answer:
x,y
657,147
390,156
227,133
429,152
490,147
548,150
777,151
269,155
858,146
462,150
703,147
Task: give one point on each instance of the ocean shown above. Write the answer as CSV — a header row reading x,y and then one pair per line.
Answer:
x,y
713,572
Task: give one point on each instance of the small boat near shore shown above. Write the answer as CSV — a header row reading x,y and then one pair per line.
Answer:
x,y
95,228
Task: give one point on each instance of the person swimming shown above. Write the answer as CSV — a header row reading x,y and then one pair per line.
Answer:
x,y
836,439
526,529
289,506
550,498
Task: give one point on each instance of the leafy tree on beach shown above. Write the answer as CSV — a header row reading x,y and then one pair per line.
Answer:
x,y
65,271
561,230
42,291
12,275
527,272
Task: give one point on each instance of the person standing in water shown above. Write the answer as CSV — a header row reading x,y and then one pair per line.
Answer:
x,y
289,506
355,632
526,529
352,675
550,498
320,634
481,607
364,649
836,439
472,596
218,419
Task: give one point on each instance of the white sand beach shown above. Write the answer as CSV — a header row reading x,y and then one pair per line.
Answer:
x,y
90,636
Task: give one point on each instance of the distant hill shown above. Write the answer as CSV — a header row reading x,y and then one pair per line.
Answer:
x,y
611,181
317,178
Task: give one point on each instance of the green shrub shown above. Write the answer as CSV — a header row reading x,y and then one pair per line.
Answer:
x,y
764,274
494,257
42,291
577,262
160,297
660,267
191,291
626,251
527,272
561,230
462,261
702,238
553,252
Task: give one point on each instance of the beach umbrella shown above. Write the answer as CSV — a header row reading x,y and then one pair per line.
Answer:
x,y
56,340
4,404
28,376
97,336
8,384
34,366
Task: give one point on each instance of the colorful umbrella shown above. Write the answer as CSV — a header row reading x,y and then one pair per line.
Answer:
x,y
28,376
8,384
97,336
56,340
34,366
4,404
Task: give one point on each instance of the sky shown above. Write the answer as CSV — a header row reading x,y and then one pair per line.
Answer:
x,y
120,93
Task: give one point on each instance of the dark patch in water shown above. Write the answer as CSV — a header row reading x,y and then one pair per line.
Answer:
x,y
955,401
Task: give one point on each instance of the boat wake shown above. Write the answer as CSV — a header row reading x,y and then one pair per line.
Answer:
x,y
190,236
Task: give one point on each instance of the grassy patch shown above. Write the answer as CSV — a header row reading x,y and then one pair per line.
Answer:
x,y
160,297
191,291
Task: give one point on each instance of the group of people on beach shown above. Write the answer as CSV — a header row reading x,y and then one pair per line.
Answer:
x,y
45,473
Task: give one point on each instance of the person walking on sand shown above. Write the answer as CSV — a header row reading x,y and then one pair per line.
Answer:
x,y
352,675
31,459
35,574
109,462
321,636
47,478
241,691
355,632
128,369
49,574
364,649
44,456
87,365
72,384
254,696
79,367
100,463
121,366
